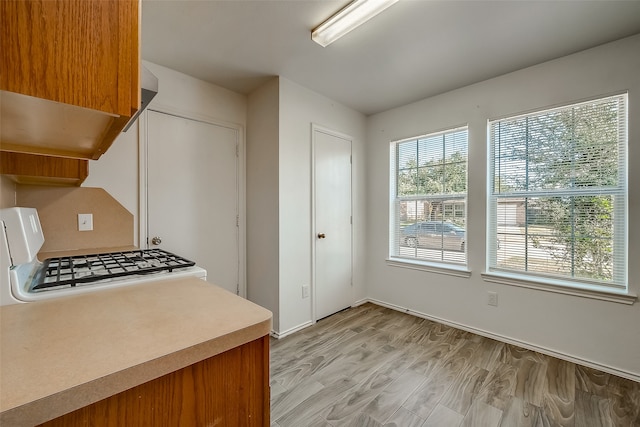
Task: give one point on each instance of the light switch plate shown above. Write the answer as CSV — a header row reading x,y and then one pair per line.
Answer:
x,y
85,222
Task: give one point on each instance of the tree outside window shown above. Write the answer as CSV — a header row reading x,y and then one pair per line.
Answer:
x,y
430,190
558,194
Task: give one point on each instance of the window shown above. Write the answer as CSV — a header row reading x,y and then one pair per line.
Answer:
x,y
558,195
428,198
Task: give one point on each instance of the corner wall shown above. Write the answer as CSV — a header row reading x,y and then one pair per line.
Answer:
x,y
280,116
603,334
117,172
299,109
263,273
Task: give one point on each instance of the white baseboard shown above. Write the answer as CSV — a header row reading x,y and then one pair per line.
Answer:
x,y
577,360
363,301
279,335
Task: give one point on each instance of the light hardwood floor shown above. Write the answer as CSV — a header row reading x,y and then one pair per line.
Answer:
x,y
372,366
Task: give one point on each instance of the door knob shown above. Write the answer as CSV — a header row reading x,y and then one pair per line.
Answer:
x,y
156,240
321,236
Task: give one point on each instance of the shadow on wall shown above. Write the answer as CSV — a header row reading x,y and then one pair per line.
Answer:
x,y
58,209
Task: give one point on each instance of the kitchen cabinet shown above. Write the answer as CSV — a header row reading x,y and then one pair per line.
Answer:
x,y
25,168
71,77
168,352
230,389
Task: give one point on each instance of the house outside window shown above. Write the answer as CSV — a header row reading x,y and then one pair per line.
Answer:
x,y
558,195
428,198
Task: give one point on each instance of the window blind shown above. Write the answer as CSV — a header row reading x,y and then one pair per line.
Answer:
x,y
429,193
558,193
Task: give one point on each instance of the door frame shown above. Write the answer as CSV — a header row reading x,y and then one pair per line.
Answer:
x,y
319,128
143,227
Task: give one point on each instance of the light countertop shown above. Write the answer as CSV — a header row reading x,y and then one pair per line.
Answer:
x,y
62,354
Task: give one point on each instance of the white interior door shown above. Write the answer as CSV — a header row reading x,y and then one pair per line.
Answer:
x,y
192,193
332,207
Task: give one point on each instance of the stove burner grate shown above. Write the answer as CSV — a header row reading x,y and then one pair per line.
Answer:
x,y
84,269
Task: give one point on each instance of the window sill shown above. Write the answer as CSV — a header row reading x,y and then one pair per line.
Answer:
x,y
451,270
587,291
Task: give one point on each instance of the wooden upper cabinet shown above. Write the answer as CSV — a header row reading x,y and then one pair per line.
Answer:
x,y
26,168
70,74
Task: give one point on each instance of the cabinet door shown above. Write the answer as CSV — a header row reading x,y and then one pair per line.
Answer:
x,y
25,168
78,52
230,389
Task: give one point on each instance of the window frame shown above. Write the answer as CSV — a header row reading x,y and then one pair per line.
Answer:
x,y
616,292
423,264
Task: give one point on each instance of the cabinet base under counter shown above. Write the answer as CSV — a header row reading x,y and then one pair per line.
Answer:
x,y
181,352
229,389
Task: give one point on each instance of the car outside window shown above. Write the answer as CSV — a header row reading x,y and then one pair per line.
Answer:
x,y
429,195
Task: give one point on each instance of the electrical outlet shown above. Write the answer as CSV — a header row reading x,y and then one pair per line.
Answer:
x,y
492,299
85,222
305,291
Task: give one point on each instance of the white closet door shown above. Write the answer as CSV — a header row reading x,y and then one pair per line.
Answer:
x,y
192,194
333,247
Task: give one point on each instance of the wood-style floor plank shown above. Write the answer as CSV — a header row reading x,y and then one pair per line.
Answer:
x,y
391,398
424,400
283,403
481,414
560,394
370,366
592,410
520,413
362,420
465,389
488,353
348,408
499,386
404,418
624,396
307,412
530,382
443,417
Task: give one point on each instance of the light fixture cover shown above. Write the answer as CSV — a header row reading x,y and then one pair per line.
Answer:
x,y
352,16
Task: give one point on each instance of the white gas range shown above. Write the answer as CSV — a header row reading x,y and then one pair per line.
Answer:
x,y
23,278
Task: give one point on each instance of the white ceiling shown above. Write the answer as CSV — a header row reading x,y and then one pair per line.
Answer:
x,y
413,50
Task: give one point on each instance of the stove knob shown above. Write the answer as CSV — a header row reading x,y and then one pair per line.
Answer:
x,y
156,241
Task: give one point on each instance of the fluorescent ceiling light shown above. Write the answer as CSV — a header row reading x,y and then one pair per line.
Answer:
x,y
356,13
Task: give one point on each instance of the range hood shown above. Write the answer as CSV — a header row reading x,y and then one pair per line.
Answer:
x,y
149,85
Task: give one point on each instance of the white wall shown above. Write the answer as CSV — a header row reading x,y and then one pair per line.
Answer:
x,y
299,108
118,170
192,97
605,334
279,196
262,198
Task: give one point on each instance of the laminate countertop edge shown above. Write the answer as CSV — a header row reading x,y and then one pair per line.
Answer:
x,y
123,375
